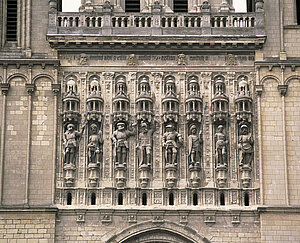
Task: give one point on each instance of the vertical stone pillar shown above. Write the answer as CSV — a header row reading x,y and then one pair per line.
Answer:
x,y
56,91
30,87
4,89
282,88
28,28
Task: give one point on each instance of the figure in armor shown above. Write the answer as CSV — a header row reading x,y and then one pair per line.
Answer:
x,y
194,145
221,144
71,140
94,145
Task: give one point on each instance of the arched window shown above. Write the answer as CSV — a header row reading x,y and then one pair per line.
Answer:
x,y
171,199
222,199
120,198
69,198
246,199
180,6
93,199
144,199
11,20
132,5
195,199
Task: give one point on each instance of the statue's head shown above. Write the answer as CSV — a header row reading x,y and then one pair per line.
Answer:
x,y
193,129
94,128
220,128
70,127
144,126
170,128
244,129
120,126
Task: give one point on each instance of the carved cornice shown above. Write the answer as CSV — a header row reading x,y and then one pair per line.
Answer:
x,y
259,89
4,88
56,89
30,88
282,88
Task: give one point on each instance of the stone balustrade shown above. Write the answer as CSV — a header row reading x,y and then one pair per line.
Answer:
x,y
236,24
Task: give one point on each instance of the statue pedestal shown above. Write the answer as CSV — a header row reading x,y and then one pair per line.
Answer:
x,y
171,175
221,171
144,178
93,169
70,170
120,175
194,176
246,175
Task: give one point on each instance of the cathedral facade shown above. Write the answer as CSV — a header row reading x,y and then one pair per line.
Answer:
x,y
150,121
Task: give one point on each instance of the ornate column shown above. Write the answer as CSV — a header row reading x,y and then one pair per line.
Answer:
x,y
4,89
30,87
282,88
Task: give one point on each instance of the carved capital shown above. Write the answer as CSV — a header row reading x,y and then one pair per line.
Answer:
x,y
259,89
282,88
4,88
55,88
30,88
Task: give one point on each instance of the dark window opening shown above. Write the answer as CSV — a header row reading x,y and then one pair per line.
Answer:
x,y
93,199
132,5
298,11
11,21
246,199
69,198
144,199
250,6
120,199
59,5
195,199
180,6
222,199
171,199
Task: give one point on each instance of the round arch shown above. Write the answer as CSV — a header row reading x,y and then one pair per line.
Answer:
x,y
165,232
16,75
268,77
289,79
43,76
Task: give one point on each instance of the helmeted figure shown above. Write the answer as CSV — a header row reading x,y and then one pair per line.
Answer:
x,y
95,144
245,146
144,145
172,140
221,144
120,143
194,146
71,141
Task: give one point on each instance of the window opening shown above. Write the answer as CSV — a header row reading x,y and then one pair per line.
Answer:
x,y
93,199
195,199
250,6
222,199
246,199
180,6
11,21
298,11
171,199
69,198
120,199
132,5
144,199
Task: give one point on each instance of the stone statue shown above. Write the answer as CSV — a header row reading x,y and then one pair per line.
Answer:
x,y
221,144
172,140
120,143
144,145
95,144
194,145
71,140
245,146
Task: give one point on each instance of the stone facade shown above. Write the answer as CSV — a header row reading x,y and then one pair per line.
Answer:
x,y
150,127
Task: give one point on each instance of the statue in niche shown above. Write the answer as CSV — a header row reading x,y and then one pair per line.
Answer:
x,y
194,145
245,146
71,141
144,145
95,145
221,144
120,143
172,140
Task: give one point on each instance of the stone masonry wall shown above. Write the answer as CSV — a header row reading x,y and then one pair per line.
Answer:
x,y
15,144
292,103
27,227
272,142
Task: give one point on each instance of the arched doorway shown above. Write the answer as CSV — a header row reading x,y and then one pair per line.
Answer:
x,y
164,232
